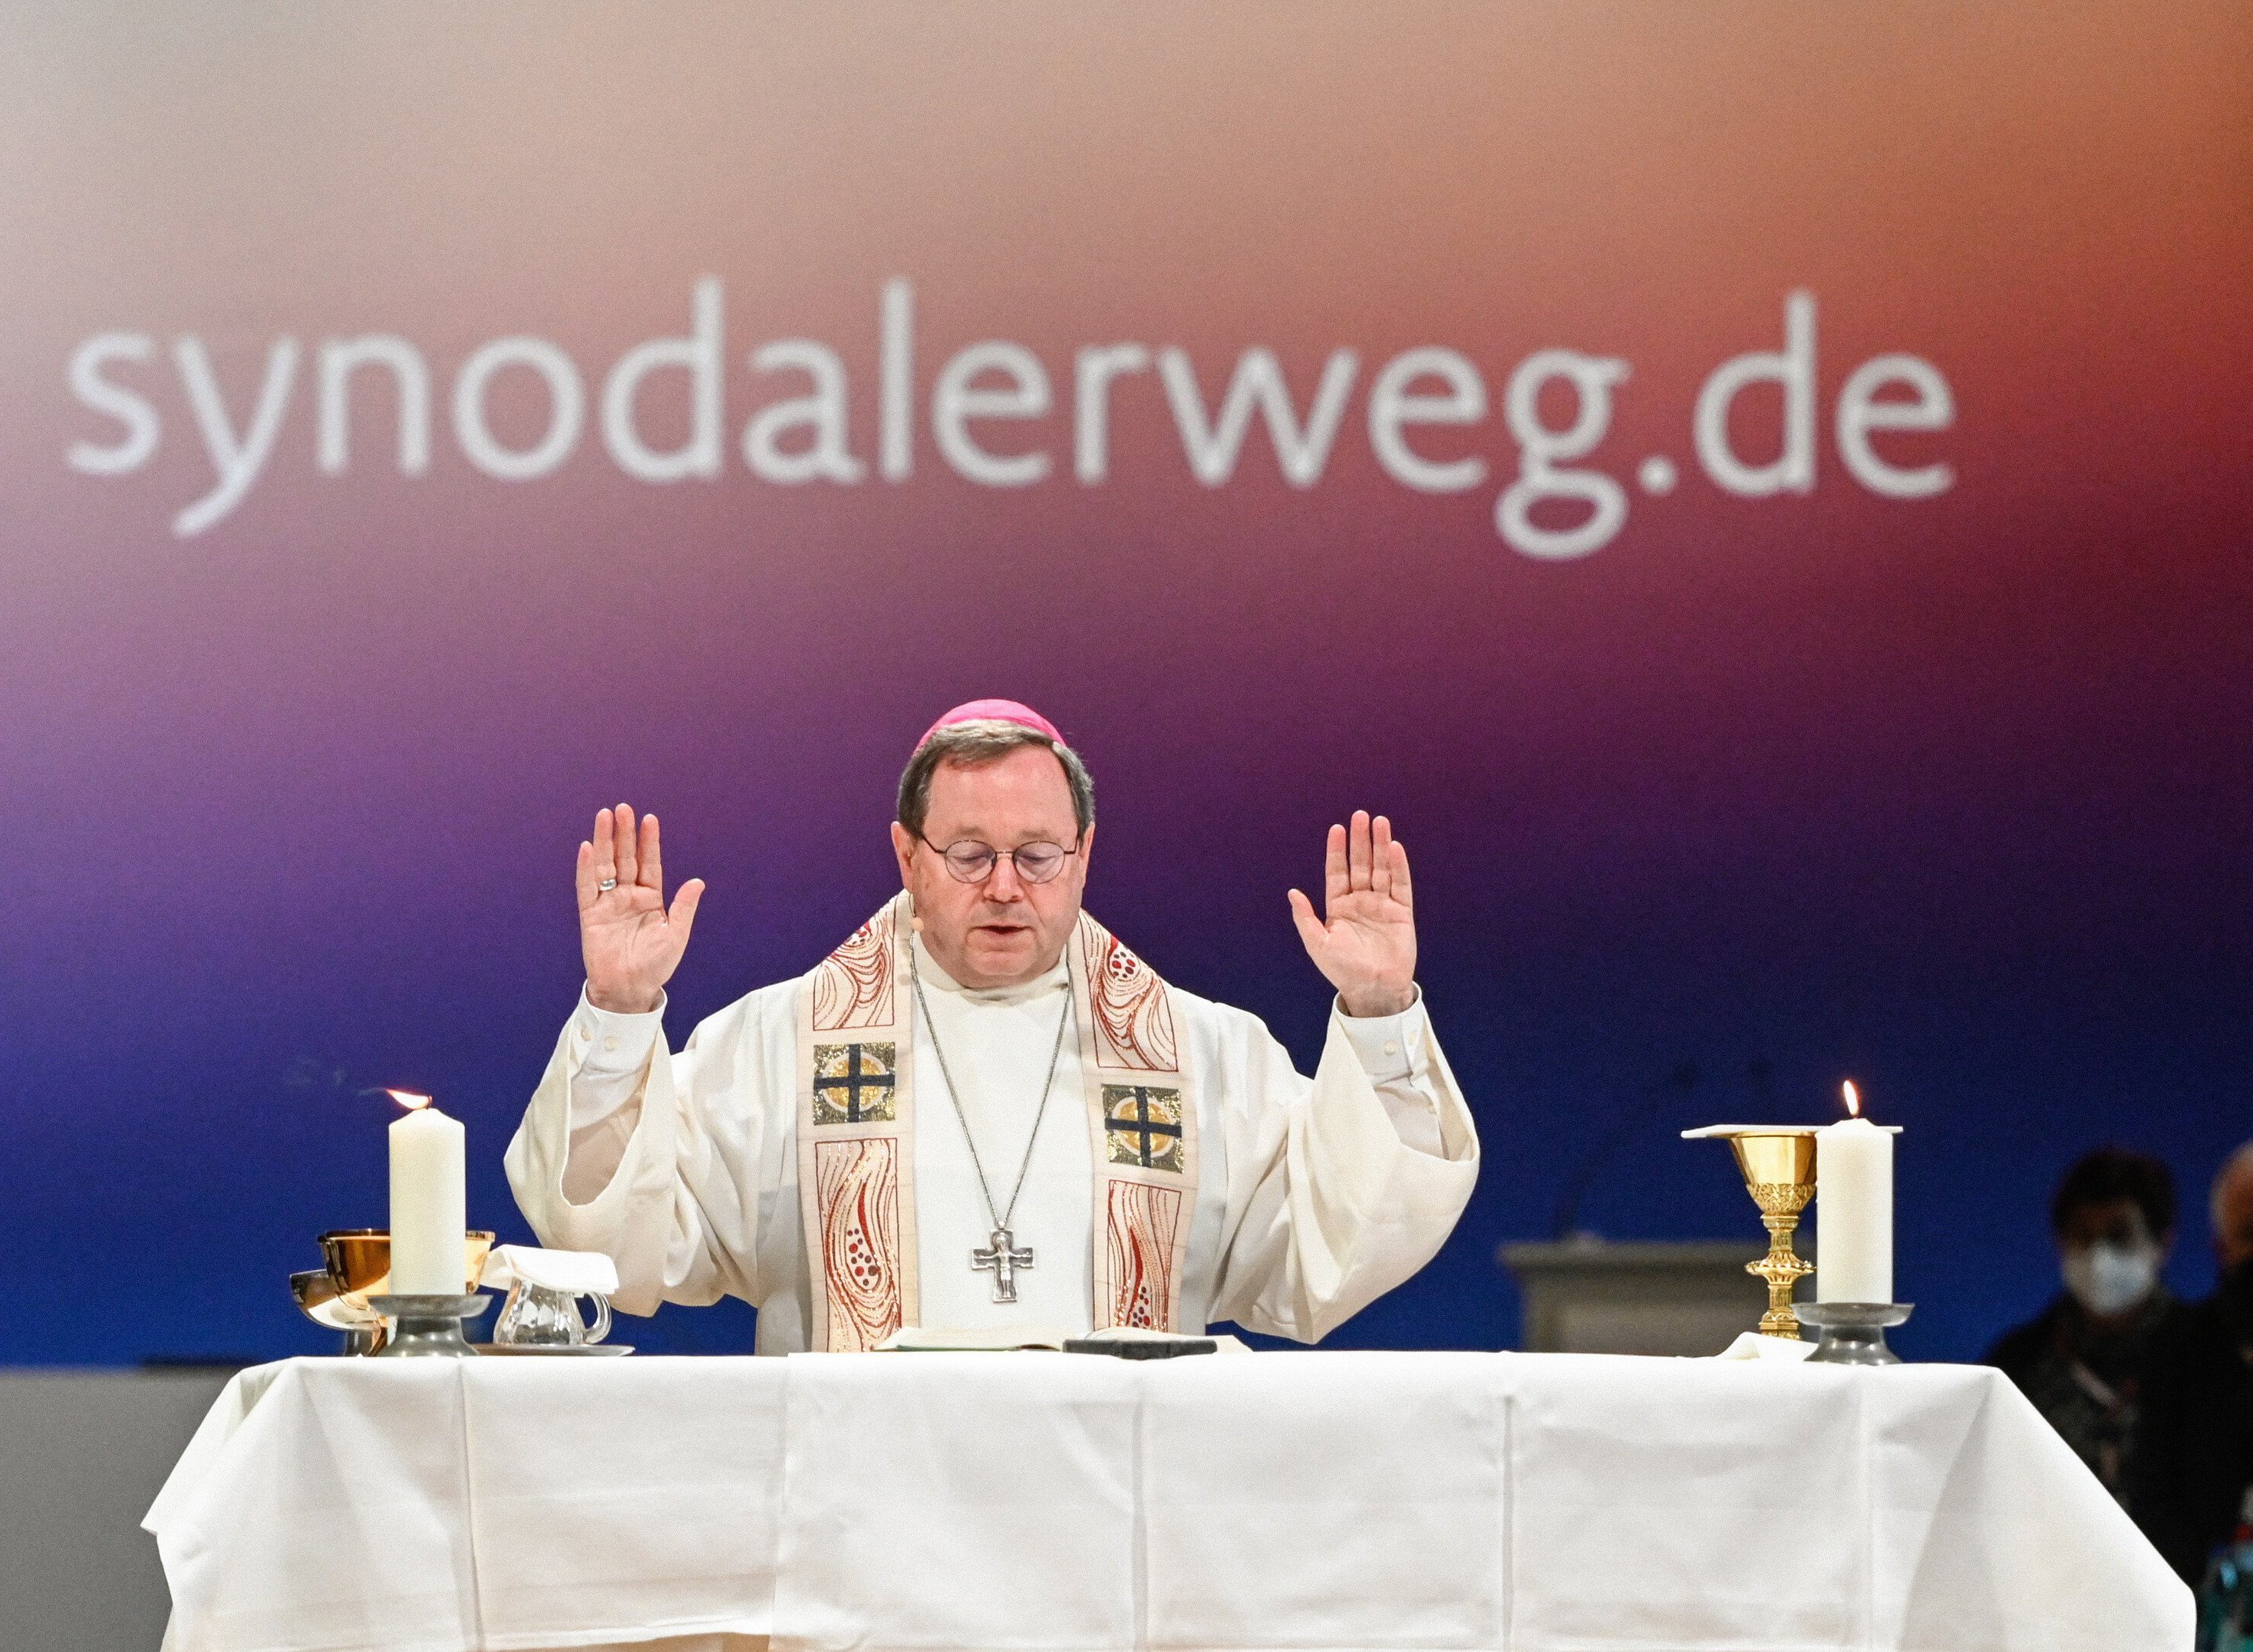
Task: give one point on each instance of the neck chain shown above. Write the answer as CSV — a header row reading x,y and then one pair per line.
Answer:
x,y
1001,1256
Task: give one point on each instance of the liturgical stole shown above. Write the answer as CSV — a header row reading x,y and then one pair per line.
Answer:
x,y
856,1120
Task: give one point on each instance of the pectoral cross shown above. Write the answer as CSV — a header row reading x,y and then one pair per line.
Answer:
x,y
1002,1258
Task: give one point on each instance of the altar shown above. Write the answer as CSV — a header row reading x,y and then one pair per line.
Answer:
x,y
1043,1502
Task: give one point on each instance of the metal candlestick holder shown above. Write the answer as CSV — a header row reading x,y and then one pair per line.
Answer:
x,y
427,1327
1778,1164
1854,1333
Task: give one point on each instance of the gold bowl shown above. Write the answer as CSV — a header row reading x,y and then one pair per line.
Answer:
x,y
359,1261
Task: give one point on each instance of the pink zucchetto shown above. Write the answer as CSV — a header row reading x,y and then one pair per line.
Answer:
x,y
995,711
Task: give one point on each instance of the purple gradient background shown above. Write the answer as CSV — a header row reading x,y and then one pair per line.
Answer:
x,y
1949,796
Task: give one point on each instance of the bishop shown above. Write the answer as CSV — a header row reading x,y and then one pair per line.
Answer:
x,y
983,1110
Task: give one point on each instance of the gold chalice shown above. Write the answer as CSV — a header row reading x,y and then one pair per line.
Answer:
x,y
1778,1164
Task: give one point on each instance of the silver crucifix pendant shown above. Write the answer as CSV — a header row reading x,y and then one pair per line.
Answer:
x,y
1002,1258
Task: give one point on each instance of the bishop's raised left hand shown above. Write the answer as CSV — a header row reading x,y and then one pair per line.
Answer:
x,y
1365,941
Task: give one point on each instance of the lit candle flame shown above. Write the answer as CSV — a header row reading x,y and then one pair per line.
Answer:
x,y
1853,1098
407,1099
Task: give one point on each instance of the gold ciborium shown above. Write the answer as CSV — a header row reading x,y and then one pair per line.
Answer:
x,y
1778,1163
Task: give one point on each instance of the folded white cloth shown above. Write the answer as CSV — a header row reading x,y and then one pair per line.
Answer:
x,y
581,1273
1752,1345
932,1339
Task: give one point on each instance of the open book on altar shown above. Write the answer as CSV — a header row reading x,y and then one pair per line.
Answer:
x,y
913,1339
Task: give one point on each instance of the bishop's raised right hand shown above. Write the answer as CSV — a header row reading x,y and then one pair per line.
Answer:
x,y
630,942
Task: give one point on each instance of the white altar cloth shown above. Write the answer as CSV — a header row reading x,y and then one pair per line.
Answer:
x,y
1049,1502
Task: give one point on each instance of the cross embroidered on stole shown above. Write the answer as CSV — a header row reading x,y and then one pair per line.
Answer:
x,y
845,1090
856,1135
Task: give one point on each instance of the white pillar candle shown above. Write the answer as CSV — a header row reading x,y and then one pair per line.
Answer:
x,y
1853,1210
428,1206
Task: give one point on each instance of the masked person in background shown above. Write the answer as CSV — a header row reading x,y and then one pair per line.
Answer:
x,y
2083,1362
2194,1467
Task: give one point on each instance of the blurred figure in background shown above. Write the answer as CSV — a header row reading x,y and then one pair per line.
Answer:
x,y
2083,1362
2195,1461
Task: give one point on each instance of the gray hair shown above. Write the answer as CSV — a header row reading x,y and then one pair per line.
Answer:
x,y
984,740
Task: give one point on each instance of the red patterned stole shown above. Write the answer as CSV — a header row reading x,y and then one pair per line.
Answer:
x,y
856,1137
1142,1122
856,1133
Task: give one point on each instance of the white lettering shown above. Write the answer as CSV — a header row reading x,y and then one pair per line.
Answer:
x,y
1095,369
702,354
1591,378
1212,448
1860,412
1794,369
236,461
567,401
896,435
1559,504
956,399
137,413
339,357
825,457
1391,405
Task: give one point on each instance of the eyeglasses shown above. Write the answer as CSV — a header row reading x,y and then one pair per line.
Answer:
x,y
972,861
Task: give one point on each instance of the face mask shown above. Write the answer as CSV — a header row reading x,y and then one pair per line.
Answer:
x,y
2111,1278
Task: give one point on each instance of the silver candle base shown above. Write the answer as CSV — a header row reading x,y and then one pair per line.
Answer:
x,y
1853,1333
428,1327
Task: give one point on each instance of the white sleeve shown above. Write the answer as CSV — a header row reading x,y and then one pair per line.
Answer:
x,y
1395,1051
609,1051
665,1180
1337,1190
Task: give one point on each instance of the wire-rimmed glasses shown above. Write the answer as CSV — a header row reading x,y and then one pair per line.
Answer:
x,y
971,861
